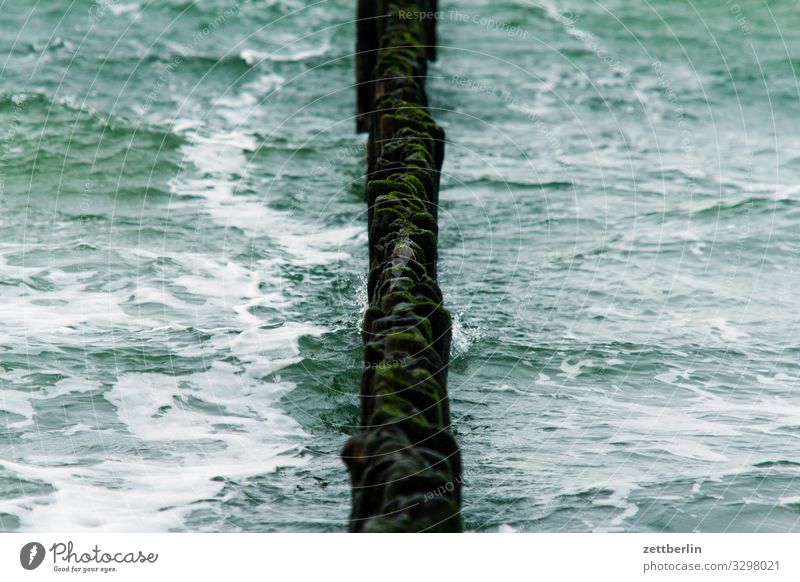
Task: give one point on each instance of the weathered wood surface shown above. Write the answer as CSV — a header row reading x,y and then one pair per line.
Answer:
x,y
405,465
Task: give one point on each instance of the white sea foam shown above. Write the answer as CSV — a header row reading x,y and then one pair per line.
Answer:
x,y
692,449
619,499
18,402
572,371
727,331
119,9
254,57
463,337
43,312
142,493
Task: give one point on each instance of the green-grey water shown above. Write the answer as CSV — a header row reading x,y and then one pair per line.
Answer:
x,y
183,250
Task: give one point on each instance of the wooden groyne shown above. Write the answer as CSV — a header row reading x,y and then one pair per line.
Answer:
x,y
405,465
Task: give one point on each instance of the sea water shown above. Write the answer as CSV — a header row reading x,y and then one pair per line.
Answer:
x,y
183,254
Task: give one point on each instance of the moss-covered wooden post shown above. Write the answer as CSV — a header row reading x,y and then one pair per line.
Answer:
x,y
405,465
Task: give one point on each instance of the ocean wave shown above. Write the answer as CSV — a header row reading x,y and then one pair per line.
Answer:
x,y
253,57
37,113
756,204
514,184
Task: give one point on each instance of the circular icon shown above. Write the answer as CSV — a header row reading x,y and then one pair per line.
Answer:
x,y
31,555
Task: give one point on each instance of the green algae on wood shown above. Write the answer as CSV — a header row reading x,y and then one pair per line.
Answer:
x,y
405,465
